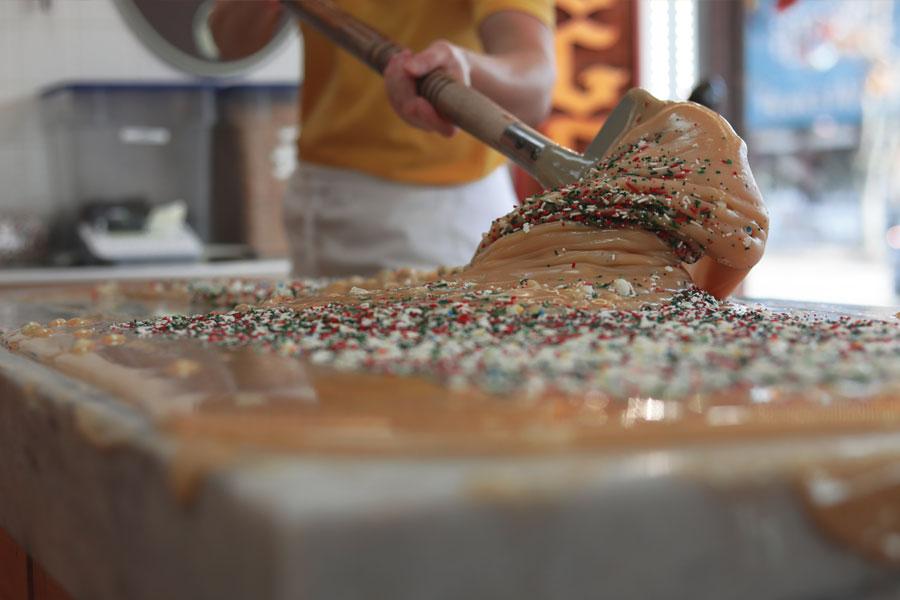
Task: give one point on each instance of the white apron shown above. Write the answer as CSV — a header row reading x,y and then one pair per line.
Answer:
x,y
342,222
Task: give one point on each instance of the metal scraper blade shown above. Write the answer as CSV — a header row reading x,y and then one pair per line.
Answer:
x,y
634,104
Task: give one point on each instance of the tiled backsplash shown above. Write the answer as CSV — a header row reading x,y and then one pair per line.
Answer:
x,y
71,40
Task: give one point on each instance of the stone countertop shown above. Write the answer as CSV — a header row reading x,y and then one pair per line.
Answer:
x,y
90,489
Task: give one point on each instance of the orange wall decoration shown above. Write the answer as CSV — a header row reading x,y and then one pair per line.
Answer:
x,y
596,58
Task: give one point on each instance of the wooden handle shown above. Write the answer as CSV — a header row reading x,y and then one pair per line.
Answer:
x,y
359,39
468,108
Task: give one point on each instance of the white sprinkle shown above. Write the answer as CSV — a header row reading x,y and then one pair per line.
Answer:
x,y
623,287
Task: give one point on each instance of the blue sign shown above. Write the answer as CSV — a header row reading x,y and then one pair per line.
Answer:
x,y
810,61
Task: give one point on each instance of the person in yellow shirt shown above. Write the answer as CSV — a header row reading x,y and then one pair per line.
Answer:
x,y
384,181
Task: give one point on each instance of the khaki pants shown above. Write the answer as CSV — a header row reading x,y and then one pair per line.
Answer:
x,y
343,222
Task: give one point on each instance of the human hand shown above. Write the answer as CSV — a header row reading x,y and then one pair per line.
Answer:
x,y
400,81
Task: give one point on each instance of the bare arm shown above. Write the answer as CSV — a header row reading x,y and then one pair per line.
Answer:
x,y
517,70
242,27
518,67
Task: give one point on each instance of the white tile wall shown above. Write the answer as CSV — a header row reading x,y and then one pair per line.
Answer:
x,y
72,40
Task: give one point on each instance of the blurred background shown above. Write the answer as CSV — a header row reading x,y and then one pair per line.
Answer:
x,y
117,119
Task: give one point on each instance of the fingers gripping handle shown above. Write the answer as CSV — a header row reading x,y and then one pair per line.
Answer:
x,y
482,117
471,110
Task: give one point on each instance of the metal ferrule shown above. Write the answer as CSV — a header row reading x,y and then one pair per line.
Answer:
x,y
522,143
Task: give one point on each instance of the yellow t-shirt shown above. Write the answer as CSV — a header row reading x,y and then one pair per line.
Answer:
x,y
346,119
